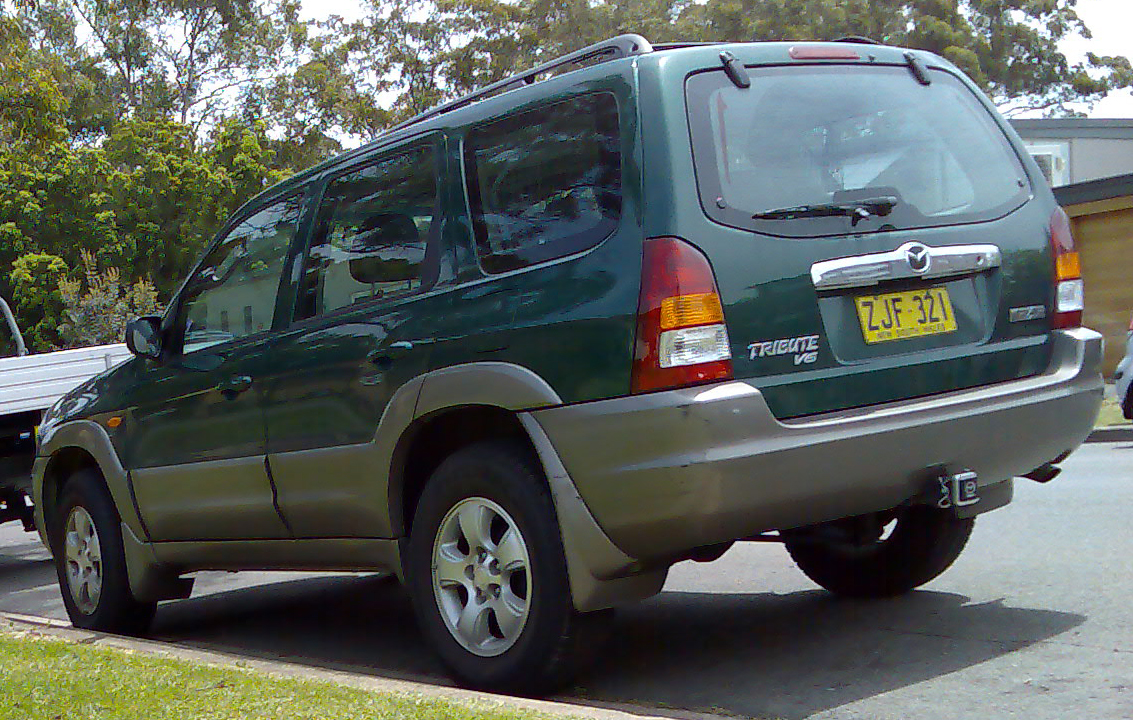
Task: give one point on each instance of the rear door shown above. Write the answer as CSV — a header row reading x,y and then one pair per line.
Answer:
x,y
872,235
362,328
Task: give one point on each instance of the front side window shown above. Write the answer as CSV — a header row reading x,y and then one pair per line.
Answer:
x,y
797,152
372,235
232,293
545,183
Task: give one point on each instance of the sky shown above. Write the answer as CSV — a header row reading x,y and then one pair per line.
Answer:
x,y
1110,21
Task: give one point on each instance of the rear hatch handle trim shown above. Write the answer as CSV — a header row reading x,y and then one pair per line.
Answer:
x,y
911,260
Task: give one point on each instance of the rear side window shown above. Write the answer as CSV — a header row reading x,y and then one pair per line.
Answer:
x,y
372,234
802,139
545,183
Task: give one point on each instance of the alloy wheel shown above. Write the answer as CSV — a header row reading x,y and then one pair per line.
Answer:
x,y
481,576
83,555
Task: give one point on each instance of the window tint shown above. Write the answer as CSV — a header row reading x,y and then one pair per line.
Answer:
x,y
545,183
232,293
372,234
813,136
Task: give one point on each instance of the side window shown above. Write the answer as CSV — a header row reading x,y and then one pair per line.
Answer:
x,y
232,293
372,234
545,183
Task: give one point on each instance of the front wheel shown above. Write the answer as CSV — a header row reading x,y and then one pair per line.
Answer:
x,y
880,554
487,574
91,562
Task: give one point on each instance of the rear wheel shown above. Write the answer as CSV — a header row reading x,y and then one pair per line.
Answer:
x,y
487,574
91,563
880,554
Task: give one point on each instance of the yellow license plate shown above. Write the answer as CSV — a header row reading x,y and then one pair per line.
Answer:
x,y
903,315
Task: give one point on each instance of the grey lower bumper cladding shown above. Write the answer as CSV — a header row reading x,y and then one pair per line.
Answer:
x,y
666,472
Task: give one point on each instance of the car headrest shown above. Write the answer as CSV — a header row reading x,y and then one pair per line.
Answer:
x,y
397,235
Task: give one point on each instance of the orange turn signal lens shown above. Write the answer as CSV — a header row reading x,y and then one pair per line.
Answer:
x,y
1067,266
687,310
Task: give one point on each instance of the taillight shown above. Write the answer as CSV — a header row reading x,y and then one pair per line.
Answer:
x,y
1070,292
681,335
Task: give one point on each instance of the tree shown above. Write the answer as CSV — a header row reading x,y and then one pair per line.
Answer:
x,y
97,308
145,202
38,304
31,106
423,51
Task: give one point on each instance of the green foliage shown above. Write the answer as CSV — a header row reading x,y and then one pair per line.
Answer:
x,y
37,300
420,52
31,106
145,202
97,308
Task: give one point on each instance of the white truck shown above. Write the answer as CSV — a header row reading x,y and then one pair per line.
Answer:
x,y
29,384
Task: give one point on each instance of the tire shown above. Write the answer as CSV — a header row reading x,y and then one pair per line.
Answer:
x,y
485,548
90,562
851,556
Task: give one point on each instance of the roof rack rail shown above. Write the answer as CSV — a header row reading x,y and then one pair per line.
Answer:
x,y
679,45
856,39
618,47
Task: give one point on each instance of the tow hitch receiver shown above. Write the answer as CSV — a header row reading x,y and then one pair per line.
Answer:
x,y
958,490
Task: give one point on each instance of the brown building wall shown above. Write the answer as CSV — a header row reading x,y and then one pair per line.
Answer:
x,y
1104,231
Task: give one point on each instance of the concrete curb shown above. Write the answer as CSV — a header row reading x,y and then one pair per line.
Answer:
x,y
1112,433
59,629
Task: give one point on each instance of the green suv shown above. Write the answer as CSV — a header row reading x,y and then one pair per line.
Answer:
x,y
531,348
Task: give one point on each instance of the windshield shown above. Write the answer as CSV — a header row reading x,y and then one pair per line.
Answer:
x,y
805,138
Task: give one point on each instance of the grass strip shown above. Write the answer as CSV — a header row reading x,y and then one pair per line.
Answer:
x,y
1110,414
48,679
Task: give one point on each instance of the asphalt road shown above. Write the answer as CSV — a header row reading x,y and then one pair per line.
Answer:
x,y
1034,621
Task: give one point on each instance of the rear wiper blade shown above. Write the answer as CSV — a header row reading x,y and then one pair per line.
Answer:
x,y
856,210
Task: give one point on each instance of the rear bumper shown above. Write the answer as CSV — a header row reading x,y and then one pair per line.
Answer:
x,y
666,472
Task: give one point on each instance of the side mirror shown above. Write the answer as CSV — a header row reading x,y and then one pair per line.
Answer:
x,y
143,337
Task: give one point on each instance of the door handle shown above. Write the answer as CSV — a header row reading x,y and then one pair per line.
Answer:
x,y
384,357
235,385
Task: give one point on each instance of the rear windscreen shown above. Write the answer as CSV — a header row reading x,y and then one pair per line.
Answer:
x,y
805,146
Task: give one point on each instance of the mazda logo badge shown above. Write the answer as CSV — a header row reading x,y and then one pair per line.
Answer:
x,y
919,257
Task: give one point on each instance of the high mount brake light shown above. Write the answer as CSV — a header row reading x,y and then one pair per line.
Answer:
x,y
822,52
1070,291
681,336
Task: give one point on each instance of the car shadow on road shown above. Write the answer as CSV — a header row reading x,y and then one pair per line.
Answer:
x,y
793,655
749,654
23,572
27,575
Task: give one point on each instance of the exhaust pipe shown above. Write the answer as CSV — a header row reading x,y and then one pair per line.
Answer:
x,y
1044,473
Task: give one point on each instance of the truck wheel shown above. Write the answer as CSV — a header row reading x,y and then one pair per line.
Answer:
x,y
487,574
91,563
855,557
